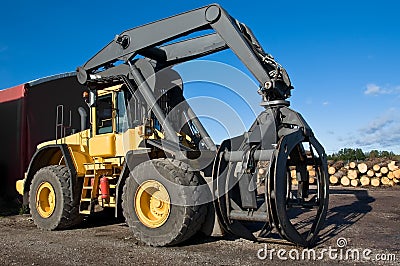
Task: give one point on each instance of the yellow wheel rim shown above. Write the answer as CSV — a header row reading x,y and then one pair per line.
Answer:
x,y
45,200
152,204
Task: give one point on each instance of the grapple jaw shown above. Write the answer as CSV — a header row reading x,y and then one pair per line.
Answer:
x,y
272,179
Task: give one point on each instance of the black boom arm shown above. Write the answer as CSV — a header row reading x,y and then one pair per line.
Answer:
x,y
148,40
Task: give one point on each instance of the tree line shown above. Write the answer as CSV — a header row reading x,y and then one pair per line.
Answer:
x,y
348,154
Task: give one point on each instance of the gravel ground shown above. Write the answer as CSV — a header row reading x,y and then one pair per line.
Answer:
x,y
360,218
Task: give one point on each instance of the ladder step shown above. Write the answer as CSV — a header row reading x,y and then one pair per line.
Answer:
x,y
89,175
84,212
86,199
87,187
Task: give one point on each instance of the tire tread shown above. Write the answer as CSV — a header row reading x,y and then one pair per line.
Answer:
x,y
192,218
70,210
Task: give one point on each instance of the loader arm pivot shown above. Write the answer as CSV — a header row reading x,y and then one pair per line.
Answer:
x,y
150,41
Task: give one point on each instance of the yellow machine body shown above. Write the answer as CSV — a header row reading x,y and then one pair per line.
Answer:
x,y
98,152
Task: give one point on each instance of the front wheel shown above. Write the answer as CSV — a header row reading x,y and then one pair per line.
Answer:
x,y
160,202
50,199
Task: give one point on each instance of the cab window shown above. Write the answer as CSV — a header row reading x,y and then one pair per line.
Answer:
x,y
122,119
104,114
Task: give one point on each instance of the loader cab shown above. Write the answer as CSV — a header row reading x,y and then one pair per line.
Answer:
x,y
108,121
108,111
116,110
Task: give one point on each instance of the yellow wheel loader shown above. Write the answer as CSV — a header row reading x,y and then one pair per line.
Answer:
x,y
143,152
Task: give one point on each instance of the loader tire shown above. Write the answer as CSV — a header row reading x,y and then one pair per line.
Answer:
x,y
170,224
50,201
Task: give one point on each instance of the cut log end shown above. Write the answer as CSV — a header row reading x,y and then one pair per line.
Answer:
x,y
355,182
385,180
333,180
345,181
370,173
364,180
362,168
375,182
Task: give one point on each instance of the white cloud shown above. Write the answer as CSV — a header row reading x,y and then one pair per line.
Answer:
x,y
382,133
373,89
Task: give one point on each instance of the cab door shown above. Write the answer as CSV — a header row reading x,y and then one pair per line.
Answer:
x,y
102,143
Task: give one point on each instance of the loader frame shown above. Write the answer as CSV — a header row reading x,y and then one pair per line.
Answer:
x,y
278,136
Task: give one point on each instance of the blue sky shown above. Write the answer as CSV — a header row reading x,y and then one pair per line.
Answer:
x,y
342,56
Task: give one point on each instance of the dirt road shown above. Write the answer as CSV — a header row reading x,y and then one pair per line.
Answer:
x,y
362,220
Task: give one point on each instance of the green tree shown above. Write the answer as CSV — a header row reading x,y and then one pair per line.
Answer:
x,y
348,154
386,154
373,154
360,155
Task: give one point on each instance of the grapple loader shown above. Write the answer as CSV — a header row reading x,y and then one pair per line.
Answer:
x,y
146,154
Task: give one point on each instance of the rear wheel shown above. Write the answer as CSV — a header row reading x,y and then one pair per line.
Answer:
x,y
50,199
160,202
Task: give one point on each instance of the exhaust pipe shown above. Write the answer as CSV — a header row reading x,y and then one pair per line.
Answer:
x,y
83,115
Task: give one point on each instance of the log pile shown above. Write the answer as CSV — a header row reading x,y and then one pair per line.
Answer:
x,y
375,173
378,172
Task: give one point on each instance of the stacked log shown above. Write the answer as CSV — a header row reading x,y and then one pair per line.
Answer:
x,y
345,181
365,180
378,172
375,182
311,175
336,178
364,166
355,182
334,167
352,165
374,173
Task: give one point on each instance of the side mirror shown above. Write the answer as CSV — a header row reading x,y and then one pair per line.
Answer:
x,y
92,98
